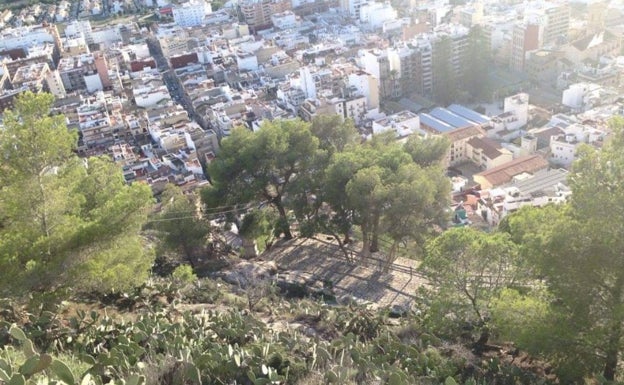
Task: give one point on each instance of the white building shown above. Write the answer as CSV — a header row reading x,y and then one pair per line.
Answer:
x,y
149,90
80,28
246,61
93,82
25,37
563,147
403,123
284,20
353,108
307,83
515,116
374,15
581,97
366,85
191,13
55,84
152,97
352,7
385,66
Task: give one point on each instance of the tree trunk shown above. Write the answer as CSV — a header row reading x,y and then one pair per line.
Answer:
x,y
611,363
343,248
188,253
366,245
615,334
612,351
282,213
374,246
250,249
481,344
391,256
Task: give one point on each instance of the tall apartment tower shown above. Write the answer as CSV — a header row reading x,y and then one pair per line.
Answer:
x,y
596,15
558,24
352,7
416,67
525,37
257,13
553,19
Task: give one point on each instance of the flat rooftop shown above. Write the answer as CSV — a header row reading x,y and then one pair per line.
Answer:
x,y
451,118
543,180
469,114
434,123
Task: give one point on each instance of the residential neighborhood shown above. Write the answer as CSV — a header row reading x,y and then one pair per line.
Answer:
x,y
159,89
311,192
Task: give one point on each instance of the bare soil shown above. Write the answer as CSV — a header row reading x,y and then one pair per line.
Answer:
x,y
363,280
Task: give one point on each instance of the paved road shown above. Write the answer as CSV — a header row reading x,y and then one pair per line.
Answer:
x,y
171,81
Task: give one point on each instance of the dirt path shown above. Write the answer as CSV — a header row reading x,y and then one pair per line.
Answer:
x,y
324,260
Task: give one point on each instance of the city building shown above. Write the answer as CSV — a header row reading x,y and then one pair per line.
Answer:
x,y
87,71
191,13
257,13
517,168
403,124
352,7
374,15
553,20
38,77
563,147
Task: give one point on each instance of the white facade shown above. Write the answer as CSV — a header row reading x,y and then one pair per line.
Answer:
x,y
380,62
574,95
366,85
352,7
140,51
24,37
152,97
80,27
563,147
93,83
581,97
106,36
404,123
246,61
284,20
192,13
376,14
518,105
353,108
307,83
55,84
515,116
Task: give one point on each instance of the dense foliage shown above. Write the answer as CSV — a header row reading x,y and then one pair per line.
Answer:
x,y
579,250
65,222
333,184
160,345
550,280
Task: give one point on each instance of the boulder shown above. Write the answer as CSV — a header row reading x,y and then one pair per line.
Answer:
x,y
245,274
398,311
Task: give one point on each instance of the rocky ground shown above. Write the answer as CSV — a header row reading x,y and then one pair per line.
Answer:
x,y
320,266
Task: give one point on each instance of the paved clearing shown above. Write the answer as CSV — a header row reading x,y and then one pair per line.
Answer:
x,y
323,260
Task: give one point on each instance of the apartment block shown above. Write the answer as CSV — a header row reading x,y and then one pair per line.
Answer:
x,y
191,13
39,78
87,71
257,13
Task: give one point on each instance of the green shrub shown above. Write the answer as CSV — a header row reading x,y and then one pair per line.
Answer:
x,y
184,274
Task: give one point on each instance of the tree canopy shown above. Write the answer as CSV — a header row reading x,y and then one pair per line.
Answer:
x,y
260,166
579,250
331,183
182,227
469,269
65,222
